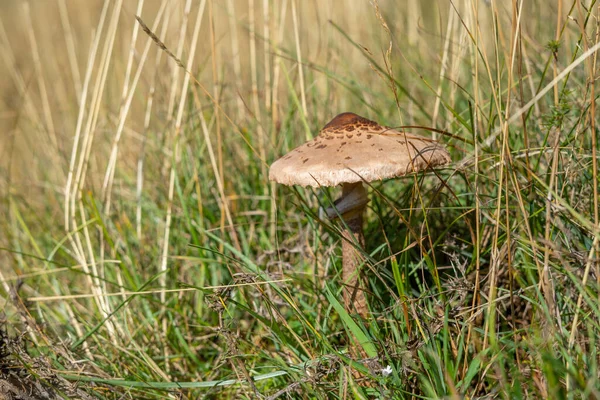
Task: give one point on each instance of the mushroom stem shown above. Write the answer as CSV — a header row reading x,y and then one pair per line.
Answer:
x,y
352,244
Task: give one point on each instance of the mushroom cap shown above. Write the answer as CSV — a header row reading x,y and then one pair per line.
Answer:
x,y
351,149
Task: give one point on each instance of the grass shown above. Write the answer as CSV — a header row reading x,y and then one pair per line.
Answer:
x,y
145,254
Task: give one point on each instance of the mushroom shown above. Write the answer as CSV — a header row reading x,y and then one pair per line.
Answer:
x,y
351,150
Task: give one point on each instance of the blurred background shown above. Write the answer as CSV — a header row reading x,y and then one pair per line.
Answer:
x,y
47,45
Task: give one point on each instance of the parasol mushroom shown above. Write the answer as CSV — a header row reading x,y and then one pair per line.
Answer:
x,y
348,151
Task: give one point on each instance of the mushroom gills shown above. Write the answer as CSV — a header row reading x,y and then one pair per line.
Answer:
x,y
354,198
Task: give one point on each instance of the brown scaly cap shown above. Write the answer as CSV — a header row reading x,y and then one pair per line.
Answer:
x,y
351,149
